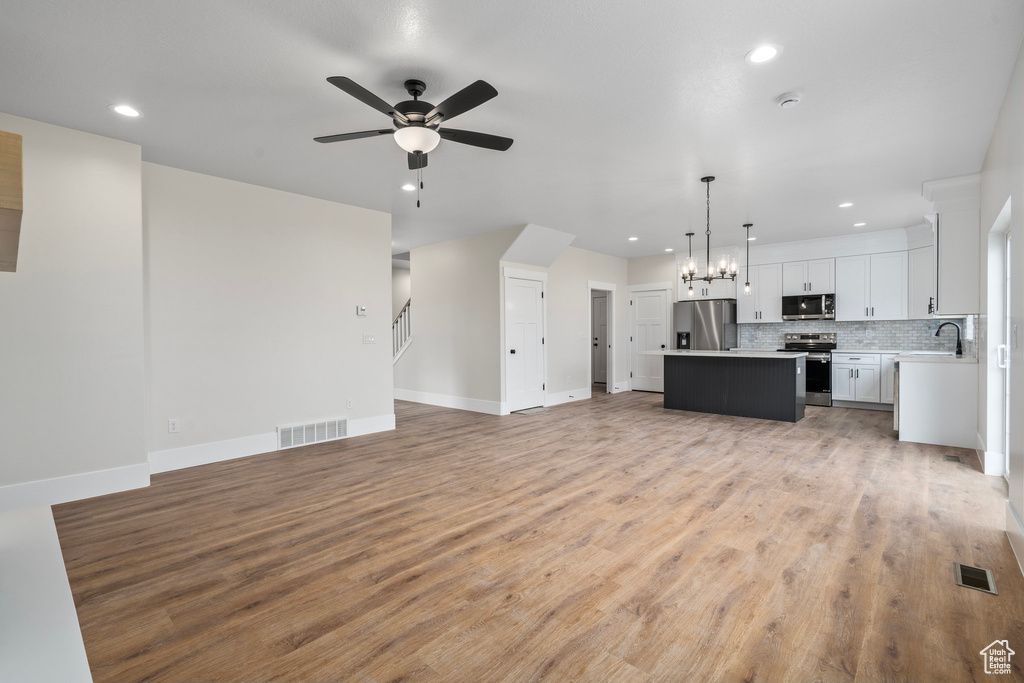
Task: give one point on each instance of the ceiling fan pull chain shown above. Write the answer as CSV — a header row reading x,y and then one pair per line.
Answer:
x,y
419,183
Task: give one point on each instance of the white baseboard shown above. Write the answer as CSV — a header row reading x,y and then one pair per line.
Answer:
x,y
992,463
1015,532
39,635
371,425
218,451
472,404
74,487
566,397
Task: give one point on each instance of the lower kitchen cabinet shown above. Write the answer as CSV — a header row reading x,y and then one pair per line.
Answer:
x,y
857,377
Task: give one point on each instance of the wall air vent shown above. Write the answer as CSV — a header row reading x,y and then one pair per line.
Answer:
x,y
313,432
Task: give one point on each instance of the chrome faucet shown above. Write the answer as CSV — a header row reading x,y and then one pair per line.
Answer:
x,y
959,346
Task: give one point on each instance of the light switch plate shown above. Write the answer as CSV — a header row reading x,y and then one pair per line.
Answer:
x,y
369,339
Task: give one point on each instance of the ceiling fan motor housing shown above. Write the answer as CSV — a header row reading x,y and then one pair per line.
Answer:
x,y
416,111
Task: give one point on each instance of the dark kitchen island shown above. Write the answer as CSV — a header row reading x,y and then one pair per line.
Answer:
x,y
764,384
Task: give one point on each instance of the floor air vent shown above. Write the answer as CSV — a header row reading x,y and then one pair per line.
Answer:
x,y
975,577
314,432
952,458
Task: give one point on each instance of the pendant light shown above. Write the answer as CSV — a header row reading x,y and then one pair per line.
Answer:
x,y
746,286
726,266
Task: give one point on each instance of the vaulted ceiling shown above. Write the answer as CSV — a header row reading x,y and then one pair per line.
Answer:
x,y
617,108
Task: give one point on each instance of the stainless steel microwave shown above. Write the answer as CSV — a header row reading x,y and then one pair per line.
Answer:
x,y
809,307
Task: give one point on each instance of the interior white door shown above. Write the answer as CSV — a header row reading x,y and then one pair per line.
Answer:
x,y
648,314
599,324
524,343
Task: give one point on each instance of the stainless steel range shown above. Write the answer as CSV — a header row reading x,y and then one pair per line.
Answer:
x,y
819,347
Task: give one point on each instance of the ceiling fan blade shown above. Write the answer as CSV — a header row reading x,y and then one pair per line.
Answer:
x,y
417,161
472,95
354,136
468,137
365,96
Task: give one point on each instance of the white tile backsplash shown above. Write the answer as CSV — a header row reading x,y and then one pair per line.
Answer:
x,y
897,335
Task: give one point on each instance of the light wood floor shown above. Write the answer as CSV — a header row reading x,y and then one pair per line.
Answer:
x,y
605,540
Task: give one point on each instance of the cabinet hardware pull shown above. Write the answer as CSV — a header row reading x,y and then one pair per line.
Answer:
x,y
872,311
865,311
857,373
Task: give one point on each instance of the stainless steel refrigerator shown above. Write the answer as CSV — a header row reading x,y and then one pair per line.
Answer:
x,y
707,325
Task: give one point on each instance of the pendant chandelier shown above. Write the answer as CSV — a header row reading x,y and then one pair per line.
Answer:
x,y
726,267
746,286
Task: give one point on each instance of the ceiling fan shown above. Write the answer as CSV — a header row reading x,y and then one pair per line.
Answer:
x,y
418,123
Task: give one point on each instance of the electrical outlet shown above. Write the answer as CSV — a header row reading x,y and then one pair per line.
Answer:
x,y
173,427
349,403
369,339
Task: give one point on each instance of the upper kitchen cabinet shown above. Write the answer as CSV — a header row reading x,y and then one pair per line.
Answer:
x,y
716,289
922,283
764,303
872,286
809,277
955,236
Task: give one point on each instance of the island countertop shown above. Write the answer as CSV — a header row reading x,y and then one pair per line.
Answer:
x,y
728,354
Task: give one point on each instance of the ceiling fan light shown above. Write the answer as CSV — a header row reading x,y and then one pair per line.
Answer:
x,y
417,139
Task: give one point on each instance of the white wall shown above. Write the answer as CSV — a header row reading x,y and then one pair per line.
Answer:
x,y
650,269
568,309
401,290
71,350
454,356
251,296
1002,177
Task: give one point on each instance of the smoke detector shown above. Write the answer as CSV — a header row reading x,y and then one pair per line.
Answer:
x,y
788,100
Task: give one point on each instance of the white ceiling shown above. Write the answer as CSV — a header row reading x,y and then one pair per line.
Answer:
x,y
617,107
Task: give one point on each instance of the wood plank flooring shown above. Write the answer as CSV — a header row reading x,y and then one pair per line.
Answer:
x,y
604,540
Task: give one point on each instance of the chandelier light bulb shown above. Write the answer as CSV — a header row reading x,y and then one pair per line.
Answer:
x,y
689,292
746,289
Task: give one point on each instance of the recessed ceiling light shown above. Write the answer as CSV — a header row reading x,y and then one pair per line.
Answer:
x,y
859,225
751,239
763,53
669,249
846,205
408,187
633,239
125,110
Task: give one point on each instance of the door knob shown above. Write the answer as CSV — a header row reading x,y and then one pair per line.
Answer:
x,y
512,351
662,346
595,345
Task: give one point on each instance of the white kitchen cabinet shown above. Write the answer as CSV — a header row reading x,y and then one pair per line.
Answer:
x,y
856,377
888,374
843,388
872,287
716,289
764,303
921,283
955,236
809,277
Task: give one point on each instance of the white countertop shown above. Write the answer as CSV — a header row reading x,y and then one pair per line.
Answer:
x,y
760,353
934,358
